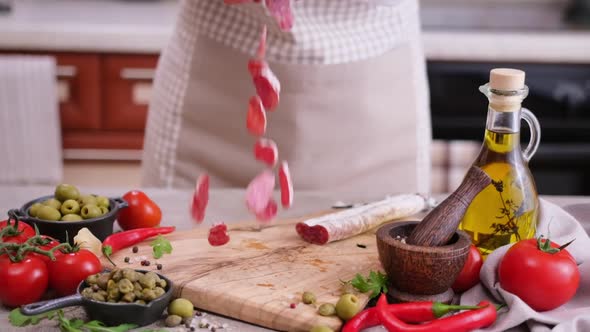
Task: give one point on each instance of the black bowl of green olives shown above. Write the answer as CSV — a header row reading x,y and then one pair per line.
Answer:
x,y
120,296
64,213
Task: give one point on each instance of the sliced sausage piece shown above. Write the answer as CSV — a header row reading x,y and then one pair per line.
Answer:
x,y
281,10
265,150
259,192
256,117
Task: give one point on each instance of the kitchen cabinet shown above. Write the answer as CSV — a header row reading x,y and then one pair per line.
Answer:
x,y
103,98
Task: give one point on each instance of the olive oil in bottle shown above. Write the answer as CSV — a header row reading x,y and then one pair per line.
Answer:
x,y
507,210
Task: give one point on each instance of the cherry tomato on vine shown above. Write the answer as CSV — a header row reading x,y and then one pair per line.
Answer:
x,y
24,232
69,269
22,282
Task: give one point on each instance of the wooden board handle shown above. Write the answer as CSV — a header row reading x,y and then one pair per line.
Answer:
x,y
441,223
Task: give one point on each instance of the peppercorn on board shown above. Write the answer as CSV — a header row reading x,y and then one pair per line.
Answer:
x,y
261,273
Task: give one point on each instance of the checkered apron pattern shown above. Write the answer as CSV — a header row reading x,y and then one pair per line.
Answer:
x,y
352,70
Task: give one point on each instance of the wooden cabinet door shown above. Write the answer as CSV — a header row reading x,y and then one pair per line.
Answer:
x,y
127,90
78,88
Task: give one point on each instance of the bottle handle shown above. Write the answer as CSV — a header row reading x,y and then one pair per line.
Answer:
x,y
535,128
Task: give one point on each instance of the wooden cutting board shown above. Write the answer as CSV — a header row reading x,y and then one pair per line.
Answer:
x,y
260,272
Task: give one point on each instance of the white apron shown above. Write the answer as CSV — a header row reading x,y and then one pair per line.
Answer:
x,y
360,126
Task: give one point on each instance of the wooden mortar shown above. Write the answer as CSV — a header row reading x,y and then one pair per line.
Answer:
x,y
440,224
420,273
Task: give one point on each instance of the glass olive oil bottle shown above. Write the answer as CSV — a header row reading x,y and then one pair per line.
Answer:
x,y
507,210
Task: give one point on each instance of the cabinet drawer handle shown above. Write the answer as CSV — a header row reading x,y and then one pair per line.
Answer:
x,y
66,71
137,73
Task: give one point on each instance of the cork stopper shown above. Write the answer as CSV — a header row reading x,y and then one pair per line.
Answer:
x,y
506,79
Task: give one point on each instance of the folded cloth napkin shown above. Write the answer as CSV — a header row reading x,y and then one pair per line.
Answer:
x,y
574,316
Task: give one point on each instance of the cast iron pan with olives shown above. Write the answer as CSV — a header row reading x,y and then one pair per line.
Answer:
x,y
101,226
111,314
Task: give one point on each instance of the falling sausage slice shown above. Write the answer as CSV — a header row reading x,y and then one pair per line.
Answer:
x,y
281,10
200,198
286,185
269,212
265,81
351,222
259,192
256,117
266,151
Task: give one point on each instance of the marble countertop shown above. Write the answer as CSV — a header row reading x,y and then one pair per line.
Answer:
x,y
145,26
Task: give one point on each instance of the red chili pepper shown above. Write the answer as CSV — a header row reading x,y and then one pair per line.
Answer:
x,y
121,240
414,312
461,322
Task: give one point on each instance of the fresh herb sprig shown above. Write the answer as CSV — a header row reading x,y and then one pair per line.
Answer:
x,y
161,246
65,324
376,283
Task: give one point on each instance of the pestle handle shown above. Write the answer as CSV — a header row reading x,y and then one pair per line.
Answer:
x,y
441,223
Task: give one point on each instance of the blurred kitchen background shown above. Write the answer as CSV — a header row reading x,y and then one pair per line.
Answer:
x,y
106,52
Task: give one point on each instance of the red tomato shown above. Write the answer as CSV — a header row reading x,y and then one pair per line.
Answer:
x,y
23,282
469,275
50,244
541,279
25,230
68,270
141,213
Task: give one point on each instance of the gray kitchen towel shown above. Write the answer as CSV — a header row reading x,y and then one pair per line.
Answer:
x,y
30,135
572,316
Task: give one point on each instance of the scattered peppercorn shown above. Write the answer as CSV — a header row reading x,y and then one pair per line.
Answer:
x,y
293,305
192,328
127,259
361,245
135,249
198,313
147,263
159,266
213,329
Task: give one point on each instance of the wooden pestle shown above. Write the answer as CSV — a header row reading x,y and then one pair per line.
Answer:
x,y
441,223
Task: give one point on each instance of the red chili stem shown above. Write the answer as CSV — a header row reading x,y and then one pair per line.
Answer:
x,y
461,322
128,238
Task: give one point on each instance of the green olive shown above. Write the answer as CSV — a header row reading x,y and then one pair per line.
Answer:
x,y
90,211
173,320
308,297
181,307
162,283
34,209
102,201
70,207
327,309
321,328
140,302
71,217
103,210
86,199
347,306
54,203
48,213
64,192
